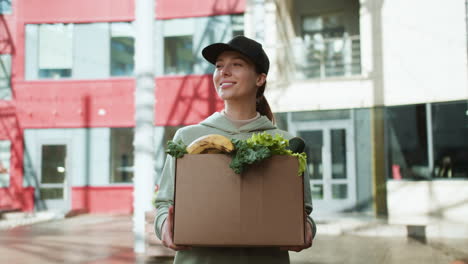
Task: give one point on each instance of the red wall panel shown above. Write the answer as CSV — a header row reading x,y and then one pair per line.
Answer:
x,y
118,10
22,198
167,9
11,130
108,199
58,11
181,100
185,100
90,103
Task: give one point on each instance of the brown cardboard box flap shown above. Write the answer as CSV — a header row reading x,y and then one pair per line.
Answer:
x,y
216,207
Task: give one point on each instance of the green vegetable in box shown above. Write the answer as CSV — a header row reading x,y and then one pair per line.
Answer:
x,y
258,147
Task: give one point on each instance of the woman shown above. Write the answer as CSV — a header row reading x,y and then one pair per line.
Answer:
x,y
240,79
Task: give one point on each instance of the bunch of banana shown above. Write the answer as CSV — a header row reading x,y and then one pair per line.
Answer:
x,y
210,144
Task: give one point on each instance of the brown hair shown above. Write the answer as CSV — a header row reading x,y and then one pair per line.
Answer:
x,y
262,105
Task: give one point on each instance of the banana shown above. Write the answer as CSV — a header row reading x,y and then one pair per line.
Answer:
x,y
212,143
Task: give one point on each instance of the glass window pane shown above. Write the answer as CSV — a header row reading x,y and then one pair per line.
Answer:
x,y
53,163
338,153
450,136
55,50
51,193
91,50
314,145
237,24
5,76
121,155
339,191
5,155
317,191
178,55
5,6
31,57
325,115
407,142
122,49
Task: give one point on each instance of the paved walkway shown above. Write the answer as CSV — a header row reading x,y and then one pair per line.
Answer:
x,y
109,239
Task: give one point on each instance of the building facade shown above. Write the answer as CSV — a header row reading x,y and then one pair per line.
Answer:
x,y
377,89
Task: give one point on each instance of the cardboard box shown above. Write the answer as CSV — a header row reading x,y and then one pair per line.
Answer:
x,y
216,207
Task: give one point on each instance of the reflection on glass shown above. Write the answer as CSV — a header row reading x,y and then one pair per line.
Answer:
x,y
314,144
339,191
450,134
5,76
338,153
237,25
122,52
51,193
121,144
407,142
53,163
178,55
317,191
5,6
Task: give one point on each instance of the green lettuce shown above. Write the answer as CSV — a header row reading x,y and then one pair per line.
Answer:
x,y
261,146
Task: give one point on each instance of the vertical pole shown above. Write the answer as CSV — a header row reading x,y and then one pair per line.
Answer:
x,y
430,140
144,118
379,187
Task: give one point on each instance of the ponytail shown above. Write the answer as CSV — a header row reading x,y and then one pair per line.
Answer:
x,y
262,105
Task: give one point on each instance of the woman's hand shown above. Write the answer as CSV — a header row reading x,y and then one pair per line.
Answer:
x,y
308,241
166,232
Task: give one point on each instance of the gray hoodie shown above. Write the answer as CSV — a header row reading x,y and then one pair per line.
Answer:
x,y
218,124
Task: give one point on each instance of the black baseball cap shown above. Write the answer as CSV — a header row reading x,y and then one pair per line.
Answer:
x,y
247,47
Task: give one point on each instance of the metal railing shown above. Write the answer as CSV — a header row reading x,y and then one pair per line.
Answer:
x,y
325,58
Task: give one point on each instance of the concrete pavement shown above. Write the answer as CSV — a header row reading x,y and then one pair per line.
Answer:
x,y
109,239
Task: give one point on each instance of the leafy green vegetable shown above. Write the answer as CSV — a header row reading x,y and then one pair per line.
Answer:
x,y
246,153
176,149
261,146
302,157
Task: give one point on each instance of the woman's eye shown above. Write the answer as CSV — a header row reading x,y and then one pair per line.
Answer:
x,y
237,64
218,66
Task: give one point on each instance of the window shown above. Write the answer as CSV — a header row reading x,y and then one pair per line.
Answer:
x,y
5,6
450,137
122,49
121,149
5,77
55,50
178,55
237,24
79,51
416,155
328,47
5,156
53,172
407,142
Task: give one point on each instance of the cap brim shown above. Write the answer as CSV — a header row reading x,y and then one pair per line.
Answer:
x,y
211,52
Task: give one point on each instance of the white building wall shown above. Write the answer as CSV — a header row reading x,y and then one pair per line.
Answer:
x,y
322,95
411,52
418,202
424,48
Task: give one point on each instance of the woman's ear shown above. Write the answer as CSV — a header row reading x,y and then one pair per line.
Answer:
x,y
261,79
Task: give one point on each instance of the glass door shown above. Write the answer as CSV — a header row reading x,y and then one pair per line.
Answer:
x,y
54,190
330,151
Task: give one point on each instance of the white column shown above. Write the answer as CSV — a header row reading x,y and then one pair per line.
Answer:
x,y
144,117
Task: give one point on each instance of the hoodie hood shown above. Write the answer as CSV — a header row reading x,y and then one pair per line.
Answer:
x,y
220,122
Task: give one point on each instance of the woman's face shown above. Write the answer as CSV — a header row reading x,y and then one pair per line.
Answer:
x,y
235,77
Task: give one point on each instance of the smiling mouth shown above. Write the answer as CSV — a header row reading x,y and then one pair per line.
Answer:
x,y
226,85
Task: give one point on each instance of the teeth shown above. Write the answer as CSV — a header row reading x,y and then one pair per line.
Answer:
x,y
223,84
